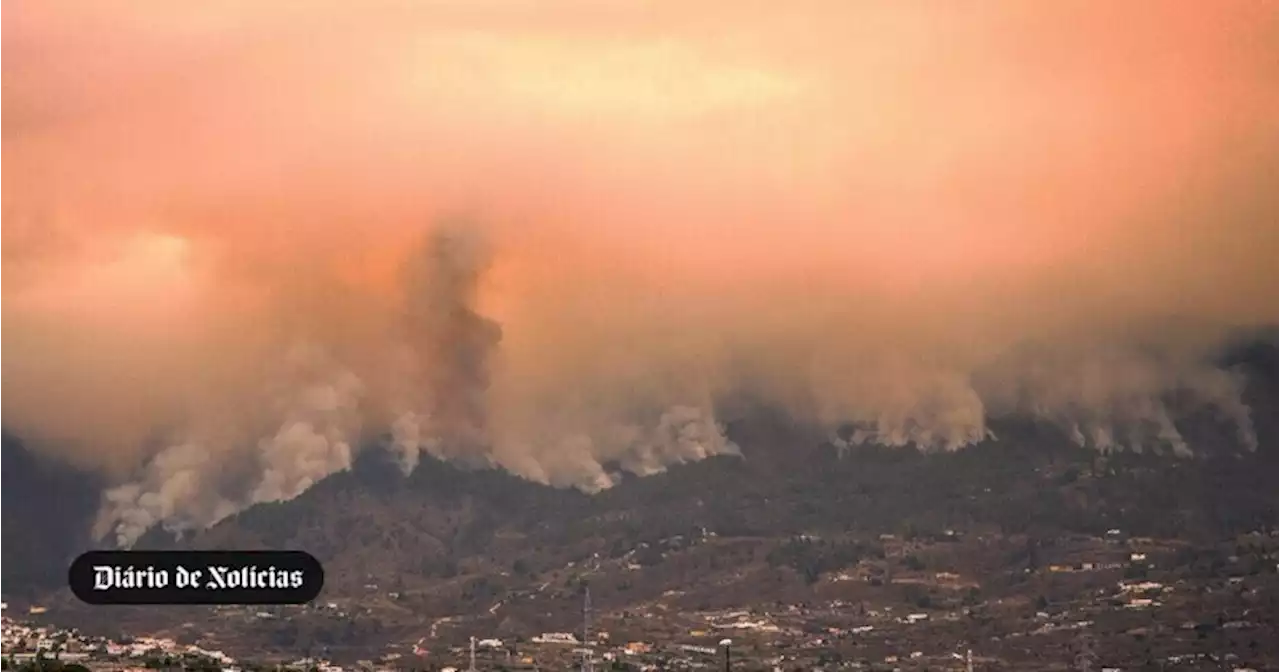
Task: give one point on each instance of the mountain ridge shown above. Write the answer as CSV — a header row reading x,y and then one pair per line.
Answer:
x,y
789,479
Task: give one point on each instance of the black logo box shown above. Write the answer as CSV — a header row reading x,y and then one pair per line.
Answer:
x,y
196,577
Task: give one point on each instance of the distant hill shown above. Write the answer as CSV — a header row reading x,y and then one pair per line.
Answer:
x,y
458,539
48,509
372,520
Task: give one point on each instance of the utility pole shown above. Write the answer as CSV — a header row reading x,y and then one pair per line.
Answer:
x,y
473,654
588,664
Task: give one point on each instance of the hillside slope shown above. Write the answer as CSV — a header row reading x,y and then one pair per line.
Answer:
x,y
449,540
48,508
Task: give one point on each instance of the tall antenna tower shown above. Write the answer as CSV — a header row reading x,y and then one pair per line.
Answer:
x,y
588,665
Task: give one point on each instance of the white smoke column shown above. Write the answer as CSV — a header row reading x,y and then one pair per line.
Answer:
x,y
178,489
683,434
448,346
1117,398
409,439
565,455
315,418
894,401
314,441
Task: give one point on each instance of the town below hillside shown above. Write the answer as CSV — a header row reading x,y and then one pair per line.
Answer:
x,y
1023,552
1127,603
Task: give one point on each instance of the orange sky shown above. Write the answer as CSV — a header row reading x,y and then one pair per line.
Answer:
x,y
189,187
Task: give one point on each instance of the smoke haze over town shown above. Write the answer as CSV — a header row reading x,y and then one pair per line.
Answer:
x,y
245,241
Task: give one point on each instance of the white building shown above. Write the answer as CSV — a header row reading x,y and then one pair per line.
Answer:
x,y
555,638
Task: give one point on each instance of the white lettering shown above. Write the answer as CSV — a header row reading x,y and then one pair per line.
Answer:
x,y
106,577
102,577
254,578
188,578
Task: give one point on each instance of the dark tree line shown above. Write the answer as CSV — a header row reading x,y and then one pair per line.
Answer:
x,y
812,558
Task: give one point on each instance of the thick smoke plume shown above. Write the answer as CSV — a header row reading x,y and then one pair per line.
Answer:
x,y
452,346
231,259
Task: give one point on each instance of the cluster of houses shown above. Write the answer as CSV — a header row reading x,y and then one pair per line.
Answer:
x,y
24,641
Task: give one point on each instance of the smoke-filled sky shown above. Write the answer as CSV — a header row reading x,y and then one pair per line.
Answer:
x,y
249,236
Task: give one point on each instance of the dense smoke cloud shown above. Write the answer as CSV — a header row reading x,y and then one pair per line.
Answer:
x,y
452,345
232,258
